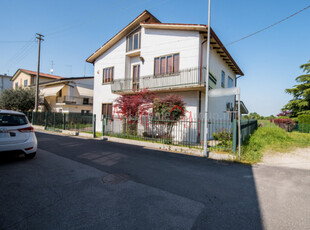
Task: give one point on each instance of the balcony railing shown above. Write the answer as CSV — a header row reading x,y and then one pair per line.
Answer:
x,y
193,77
74,100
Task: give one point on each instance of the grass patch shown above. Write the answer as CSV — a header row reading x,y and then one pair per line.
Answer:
x,y
271,138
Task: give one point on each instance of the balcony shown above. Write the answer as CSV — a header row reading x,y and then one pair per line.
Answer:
x,y
70,100
184,80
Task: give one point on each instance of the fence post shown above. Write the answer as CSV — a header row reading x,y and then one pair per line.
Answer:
x,y
64,121
152,129
54,121
45,120
189,134
103,126
32,118
234,136
94,125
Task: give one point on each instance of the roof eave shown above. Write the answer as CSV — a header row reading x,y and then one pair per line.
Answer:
x,y
143,16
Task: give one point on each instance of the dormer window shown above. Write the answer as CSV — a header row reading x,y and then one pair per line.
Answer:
x,y
134,41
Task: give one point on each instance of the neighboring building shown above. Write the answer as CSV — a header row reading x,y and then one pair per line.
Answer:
x,y
165,58
67,95
25,78
5,82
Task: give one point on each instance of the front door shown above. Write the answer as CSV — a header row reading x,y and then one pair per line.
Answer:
x,y
135,77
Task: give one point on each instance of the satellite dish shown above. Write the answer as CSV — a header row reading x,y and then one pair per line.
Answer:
x,y
51,70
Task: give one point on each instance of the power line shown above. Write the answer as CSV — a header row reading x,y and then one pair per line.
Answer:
x,y
15,41
276,23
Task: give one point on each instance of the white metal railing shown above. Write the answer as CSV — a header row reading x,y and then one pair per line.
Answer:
x,y
74,100
184,78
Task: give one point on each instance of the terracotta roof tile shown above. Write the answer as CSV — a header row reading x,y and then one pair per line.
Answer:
x,y
41,74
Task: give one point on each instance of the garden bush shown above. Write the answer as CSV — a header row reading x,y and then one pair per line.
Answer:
x,y
286,124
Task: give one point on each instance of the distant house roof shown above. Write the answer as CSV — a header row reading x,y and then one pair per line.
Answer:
x,y
154,23
5,76
66,80
30,72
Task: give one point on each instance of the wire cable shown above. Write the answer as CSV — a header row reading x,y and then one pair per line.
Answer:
x,y
276,23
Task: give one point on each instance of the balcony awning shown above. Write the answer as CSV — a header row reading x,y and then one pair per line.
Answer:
x,y
51,91
85,91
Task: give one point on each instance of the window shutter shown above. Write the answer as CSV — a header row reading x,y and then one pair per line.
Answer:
x,y
162,65
169,64
176,61
156,67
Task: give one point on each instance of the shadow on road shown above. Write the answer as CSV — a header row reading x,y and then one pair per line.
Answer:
x,y
227,190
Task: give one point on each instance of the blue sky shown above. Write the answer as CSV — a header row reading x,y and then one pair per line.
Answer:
x,y
75,29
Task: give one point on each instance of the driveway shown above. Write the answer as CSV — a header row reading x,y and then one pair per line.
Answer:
x,y
76,183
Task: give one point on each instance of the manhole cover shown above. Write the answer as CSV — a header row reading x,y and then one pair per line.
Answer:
x,y
115,178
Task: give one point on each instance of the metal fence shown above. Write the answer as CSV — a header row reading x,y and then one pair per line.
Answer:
x,y
303,128
222,135
187,133
62,121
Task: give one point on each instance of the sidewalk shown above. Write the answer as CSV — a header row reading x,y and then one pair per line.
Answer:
x,y
145,144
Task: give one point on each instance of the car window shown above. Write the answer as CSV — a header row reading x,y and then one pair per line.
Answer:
x,y
12,119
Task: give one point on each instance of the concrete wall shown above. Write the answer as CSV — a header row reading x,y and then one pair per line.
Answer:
x,y
217,106
5,83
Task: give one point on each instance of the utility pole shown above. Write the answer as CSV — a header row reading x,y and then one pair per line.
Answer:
x,y
205,142
39,37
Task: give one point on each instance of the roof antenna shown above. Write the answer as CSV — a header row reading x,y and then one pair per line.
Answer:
x,y
52,69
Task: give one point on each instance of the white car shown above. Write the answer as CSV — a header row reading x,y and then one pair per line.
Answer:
x,y
16,134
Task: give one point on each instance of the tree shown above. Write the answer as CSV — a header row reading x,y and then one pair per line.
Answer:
x,y
21,99
133,105
300,104
168,110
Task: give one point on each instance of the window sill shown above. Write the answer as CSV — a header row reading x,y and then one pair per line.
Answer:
x,y
133,53
107,83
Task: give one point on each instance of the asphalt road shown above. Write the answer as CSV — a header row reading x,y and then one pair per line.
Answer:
x,y
76,183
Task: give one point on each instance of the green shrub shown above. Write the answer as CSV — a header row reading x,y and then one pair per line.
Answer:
x,y
304,119
222,134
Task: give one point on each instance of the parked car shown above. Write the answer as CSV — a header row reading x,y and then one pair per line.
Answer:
x,y
16,133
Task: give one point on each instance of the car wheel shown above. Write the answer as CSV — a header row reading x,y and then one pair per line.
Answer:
x,y
30,155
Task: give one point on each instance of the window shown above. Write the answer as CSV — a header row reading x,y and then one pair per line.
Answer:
x,y
12,119
166,64
85,101
108,75
106,110
16,85
230,82
223,80
133,41
32,80
25,82
60,93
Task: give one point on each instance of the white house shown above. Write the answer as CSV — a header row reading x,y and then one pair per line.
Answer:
x,y
165,58
67,95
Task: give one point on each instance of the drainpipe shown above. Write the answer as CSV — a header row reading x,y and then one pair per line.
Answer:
x,y
201,59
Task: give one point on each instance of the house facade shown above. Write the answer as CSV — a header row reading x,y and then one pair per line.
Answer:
x,y
69,95
5,82
165,58
24,78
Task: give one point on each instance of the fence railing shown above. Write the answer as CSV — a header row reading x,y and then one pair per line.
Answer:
x,y
184,78
222,135
62,121
186,132
74,100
